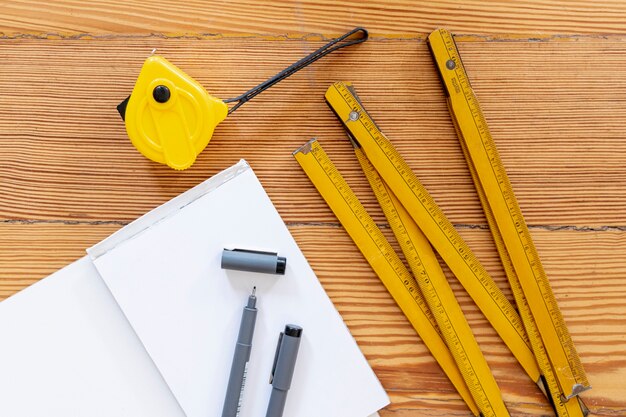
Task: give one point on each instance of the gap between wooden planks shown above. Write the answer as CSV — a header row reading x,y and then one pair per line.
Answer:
x,y
555,108
555,113
594,313
523,17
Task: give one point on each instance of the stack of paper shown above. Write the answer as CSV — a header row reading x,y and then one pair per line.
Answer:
x,y
161,341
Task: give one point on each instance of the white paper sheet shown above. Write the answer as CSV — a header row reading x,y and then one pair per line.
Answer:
x,y
66,350
164,271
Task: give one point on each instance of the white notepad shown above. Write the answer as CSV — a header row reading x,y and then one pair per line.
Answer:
x,y
66,350
164,271
160,342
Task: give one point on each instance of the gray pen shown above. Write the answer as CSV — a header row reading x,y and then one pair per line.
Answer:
x,y
237,379
282,371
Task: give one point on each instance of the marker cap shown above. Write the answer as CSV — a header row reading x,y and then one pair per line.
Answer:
x,y
254,261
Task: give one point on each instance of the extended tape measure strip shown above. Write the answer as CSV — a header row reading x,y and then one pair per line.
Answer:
x,y
433,223
483,156
438,295
381,257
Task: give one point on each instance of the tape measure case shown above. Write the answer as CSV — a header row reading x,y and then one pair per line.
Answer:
x,y
170,117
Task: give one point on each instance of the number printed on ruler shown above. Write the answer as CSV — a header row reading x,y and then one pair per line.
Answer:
x,y
483,158
381,257
438,295
433,223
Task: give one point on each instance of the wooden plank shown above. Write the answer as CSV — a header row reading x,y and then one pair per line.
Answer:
x,y
31,251
555,109
530,17
586,271
550,77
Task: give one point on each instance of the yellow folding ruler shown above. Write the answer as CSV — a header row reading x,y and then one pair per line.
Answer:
x,y
438,295
381,257
433,223
555,352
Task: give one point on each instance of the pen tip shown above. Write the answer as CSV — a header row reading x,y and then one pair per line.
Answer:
x,y
254,290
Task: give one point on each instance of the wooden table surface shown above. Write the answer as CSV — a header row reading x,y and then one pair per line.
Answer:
x,y
551,77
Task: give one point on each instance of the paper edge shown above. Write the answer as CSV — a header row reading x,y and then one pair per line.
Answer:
x,y
172,207
154,216
57,278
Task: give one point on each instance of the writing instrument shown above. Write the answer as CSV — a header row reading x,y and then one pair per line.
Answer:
x,y
237,379
282,371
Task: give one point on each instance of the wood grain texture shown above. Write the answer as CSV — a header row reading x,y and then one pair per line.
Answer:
x,y
551,78
556,115
586,271
69,17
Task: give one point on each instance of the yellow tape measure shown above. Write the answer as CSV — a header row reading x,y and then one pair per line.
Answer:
x,y
499,199
433,223
381,257
170,117
438,295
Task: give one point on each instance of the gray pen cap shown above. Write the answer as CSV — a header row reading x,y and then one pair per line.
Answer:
x,y
254,261
285,357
